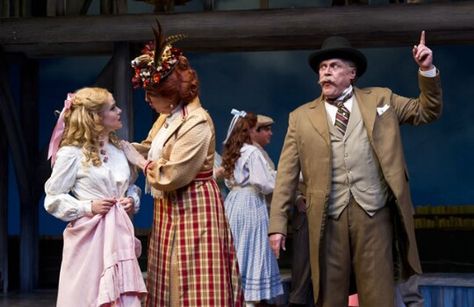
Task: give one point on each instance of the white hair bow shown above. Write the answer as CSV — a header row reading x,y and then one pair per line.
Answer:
x,y
237,114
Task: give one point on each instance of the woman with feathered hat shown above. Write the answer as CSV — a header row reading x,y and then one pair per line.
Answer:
x,y
191,257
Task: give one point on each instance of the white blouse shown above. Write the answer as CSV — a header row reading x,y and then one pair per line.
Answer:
x,y
73,186
251,169
160,138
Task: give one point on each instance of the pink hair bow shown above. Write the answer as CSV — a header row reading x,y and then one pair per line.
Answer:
x,y
58,130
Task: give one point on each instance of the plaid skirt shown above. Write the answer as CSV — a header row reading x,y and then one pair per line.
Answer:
x,y
193,218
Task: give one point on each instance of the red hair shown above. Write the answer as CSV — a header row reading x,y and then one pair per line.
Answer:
x,y
237,138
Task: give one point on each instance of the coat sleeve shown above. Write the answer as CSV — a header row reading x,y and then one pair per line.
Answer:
x,y
424,109
188,153
286,181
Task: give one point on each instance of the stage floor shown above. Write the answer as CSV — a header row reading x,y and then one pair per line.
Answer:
x,y
41,298
438,289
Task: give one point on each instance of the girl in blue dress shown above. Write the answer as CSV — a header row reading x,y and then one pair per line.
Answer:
x,y
249,178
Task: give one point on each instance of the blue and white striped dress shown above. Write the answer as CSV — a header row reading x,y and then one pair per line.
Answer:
x,y
246,210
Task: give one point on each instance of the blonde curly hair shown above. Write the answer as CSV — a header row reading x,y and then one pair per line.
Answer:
x,y
83,123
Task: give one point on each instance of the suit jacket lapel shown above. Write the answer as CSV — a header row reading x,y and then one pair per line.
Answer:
x,y
318,118
367,103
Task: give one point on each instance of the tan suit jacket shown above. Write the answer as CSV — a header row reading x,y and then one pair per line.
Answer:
x,y
307,149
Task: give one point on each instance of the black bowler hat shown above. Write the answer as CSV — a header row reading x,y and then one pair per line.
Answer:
x,y
337,47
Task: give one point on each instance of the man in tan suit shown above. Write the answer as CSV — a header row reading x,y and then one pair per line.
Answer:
x,y
348,147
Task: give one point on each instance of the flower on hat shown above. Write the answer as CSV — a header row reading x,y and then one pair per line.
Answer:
x,y
157,60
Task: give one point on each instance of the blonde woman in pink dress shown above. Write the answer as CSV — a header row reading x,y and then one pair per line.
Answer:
x,y
91,188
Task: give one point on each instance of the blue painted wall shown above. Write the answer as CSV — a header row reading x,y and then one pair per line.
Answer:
x,y
274,83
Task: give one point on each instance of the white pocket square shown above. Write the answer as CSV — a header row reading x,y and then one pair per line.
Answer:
x,y
381,110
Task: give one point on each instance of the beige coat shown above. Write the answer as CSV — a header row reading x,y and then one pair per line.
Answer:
x,y
194,136
307,149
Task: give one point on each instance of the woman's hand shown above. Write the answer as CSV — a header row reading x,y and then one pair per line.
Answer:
x,y
102,206
127,204
133,156
219,172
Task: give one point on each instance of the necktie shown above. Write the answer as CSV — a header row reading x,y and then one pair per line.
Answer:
x,y
342,115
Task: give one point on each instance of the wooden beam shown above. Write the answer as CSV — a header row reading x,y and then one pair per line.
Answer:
x,y
252,30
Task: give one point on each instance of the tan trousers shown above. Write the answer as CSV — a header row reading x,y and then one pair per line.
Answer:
x,y
363,244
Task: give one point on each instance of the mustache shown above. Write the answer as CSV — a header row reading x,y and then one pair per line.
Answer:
x,y
325,80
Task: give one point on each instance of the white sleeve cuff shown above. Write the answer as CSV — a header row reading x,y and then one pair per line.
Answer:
x,y
87,205
428,73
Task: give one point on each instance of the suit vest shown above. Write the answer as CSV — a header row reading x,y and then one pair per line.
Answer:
x,y
355,168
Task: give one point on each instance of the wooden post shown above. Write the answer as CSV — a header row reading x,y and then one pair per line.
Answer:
x,y
264,4
209,5
22,164
5,8
26,8
3,209
15,8
122,87
113,7
29,233
55,8
85,7
14,132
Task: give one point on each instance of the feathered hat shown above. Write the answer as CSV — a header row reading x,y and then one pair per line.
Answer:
x,y
157,61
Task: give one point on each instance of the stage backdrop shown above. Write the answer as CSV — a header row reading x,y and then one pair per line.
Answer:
x,y
439,155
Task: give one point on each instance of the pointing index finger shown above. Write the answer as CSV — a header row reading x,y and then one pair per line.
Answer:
x,y
422,38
